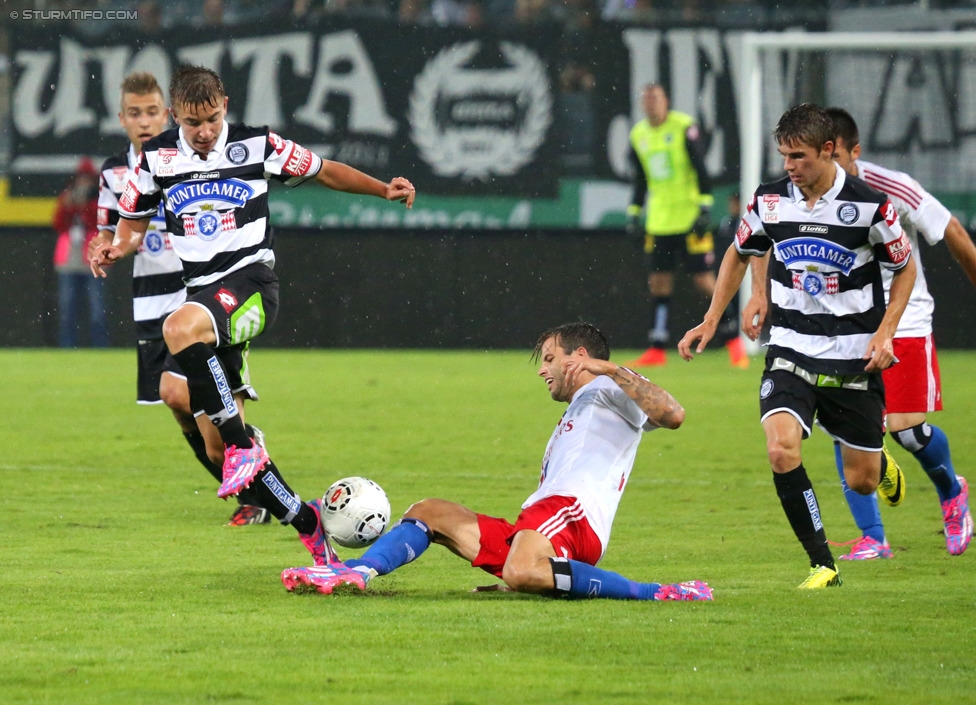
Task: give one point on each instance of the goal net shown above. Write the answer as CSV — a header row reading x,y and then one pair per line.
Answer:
x,y
913,95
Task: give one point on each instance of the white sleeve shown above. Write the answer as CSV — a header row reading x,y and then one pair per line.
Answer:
x,y
914,204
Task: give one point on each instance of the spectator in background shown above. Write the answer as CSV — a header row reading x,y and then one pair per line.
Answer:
x,y
414,12
457,13
577,122
75,222
312,9
150,17
212,16
628,10
528,12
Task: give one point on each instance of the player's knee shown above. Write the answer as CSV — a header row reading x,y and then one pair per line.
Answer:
x,y
183,328
782,458
426,511
862,484
528,575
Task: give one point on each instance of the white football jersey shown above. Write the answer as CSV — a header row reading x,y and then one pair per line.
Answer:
x,y
591,452
919,212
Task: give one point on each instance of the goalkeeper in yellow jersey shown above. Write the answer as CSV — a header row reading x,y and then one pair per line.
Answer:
x,y
673,190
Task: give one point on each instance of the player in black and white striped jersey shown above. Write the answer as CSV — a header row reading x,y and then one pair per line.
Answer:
x,y
158,289
212,179
831,334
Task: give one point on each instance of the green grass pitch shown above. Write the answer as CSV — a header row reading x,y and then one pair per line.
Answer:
x,y
120,584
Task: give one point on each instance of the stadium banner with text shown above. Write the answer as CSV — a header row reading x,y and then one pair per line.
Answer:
x,y
462,112
486,124
459,112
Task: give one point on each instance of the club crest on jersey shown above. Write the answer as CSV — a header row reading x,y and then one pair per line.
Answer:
x,y
236,153
208,225
815,283
154,243
848,213
770,210
232,193
797,253
766,389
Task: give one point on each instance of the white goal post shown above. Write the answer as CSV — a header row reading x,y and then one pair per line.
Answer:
x,y
754,44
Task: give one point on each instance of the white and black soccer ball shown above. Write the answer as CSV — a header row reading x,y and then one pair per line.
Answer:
x,y
355,511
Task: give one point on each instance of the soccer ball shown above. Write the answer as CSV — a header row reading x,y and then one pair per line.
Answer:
x,y
355,511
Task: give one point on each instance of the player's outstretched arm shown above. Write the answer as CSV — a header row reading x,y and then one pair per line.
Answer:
x,y
128,237
342,177
961,247
730,276
661,408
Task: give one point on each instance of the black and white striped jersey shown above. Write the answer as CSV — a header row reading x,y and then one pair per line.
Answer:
x,y
157,272
216,209
827,298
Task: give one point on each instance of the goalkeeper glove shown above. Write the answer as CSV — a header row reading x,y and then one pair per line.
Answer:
x,y
703,223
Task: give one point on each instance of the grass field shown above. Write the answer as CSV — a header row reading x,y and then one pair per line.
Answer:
x,y
120,584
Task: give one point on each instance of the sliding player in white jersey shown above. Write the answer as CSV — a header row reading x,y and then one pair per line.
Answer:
x,y
562,531
912,387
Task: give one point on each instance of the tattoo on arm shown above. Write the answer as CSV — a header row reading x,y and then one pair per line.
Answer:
x,y
661,408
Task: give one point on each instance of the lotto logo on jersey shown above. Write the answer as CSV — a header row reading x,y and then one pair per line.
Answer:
x,y
127,201
276,142
899,250
743,232
226,299
890,214
299,161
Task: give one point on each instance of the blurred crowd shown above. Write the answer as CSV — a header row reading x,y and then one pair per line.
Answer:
x,y
156,14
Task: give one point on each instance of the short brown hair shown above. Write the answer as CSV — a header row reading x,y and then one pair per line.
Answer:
x,y
570,336
195,85
141,83
807,124
844,126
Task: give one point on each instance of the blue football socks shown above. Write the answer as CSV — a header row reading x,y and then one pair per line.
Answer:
x,y
930,446
864,507
399,546
581,580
